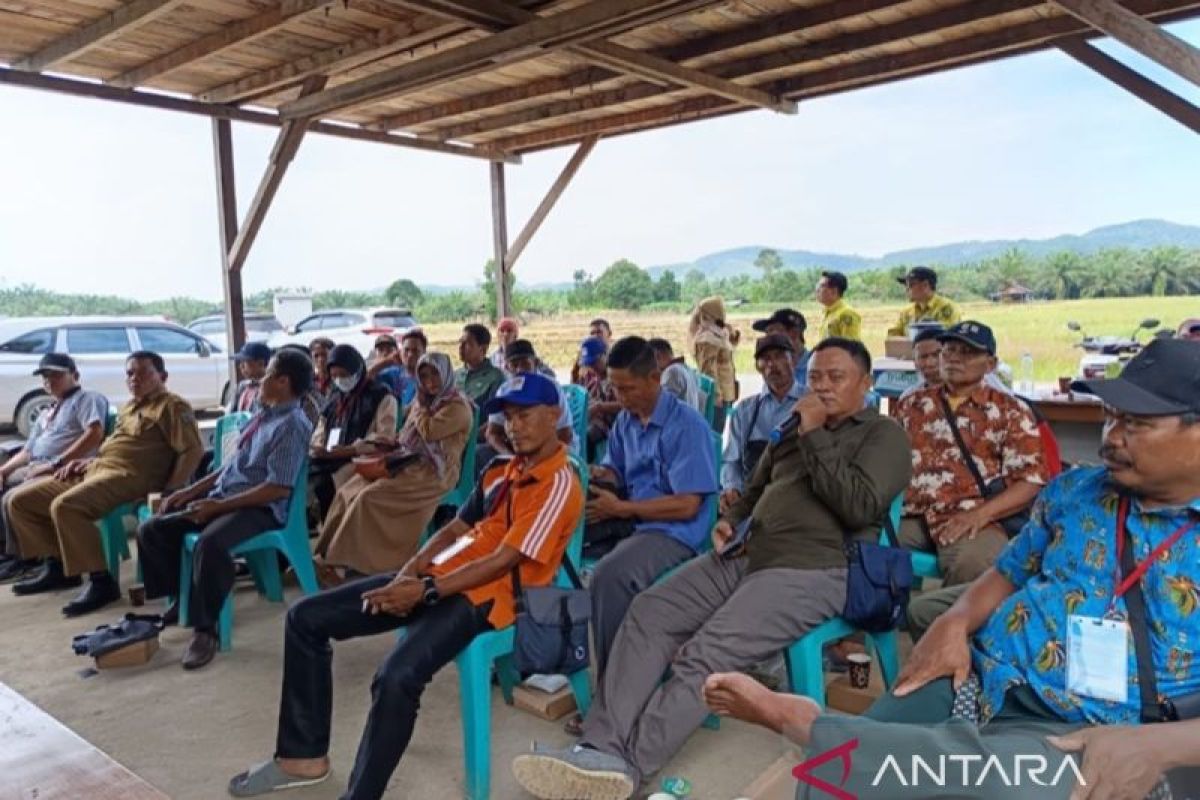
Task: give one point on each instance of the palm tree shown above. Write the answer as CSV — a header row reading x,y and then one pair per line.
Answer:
x,y
1161,271
1111,274
1060,275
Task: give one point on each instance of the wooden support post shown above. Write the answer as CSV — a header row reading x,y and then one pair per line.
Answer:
x,y
500,240
540,213
1138,33
286,145
1141,87
235,318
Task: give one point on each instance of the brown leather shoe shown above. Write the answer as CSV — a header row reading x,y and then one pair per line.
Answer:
x,y
200,650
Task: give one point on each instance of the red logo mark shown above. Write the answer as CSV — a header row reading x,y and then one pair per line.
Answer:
x,y
803,772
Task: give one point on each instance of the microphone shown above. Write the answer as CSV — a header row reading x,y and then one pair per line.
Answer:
x,y
785,428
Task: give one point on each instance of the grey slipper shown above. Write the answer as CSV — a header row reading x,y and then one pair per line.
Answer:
x,y
267,777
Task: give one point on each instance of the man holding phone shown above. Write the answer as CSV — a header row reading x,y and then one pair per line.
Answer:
x,y
249,495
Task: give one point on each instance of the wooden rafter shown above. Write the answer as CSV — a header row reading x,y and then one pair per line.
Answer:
x,y
1025,37
1141,87
111,25
235,33
594,20
1161,46
500,239
513,253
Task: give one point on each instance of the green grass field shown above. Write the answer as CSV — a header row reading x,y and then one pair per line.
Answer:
x,y
1037,328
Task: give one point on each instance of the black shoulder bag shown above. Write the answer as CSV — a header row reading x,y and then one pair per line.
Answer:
x,y
753,449
878,582
1012,524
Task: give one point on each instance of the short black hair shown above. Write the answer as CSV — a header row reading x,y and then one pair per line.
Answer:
x,y
480,333
634,354
148,355
837,280
857,351
601,321
419,335
661,346
925,334
297,367
324,341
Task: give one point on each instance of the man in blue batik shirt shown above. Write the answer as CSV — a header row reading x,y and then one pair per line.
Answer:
x,y
1039,658
246,497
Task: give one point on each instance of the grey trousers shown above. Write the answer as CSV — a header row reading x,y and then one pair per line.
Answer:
x,y
925,607
708,617
629,568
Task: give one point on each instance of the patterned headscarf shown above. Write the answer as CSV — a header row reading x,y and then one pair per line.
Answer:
x,y
410,439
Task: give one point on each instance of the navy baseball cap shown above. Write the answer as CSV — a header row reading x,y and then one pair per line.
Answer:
x,y
789,318
919,274
591,350
775,341
529,389
972,333
55,362
253,351
1161,381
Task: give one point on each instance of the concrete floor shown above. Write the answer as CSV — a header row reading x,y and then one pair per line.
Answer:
x,y
186,733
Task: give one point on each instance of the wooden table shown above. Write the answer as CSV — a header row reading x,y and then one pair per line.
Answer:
x,y
42,759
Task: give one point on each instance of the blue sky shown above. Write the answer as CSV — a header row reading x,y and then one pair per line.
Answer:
x,y
100,197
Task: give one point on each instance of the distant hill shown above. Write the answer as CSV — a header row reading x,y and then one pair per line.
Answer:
x,y
1137,235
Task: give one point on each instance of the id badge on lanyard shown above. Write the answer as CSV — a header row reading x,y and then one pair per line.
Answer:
x,y
1098,658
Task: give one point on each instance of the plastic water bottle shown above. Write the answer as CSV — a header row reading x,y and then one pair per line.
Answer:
x,y
1027,374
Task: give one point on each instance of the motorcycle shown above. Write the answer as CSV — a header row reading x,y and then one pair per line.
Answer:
x,y
1106,356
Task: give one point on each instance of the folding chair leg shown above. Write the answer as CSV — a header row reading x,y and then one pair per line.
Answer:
x,y
474,682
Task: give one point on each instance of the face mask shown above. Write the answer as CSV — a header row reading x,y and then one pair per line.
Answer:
x,y
346,385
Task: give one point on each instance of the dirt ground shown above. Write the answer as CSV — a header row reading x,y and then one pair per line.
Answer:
x,y
186,733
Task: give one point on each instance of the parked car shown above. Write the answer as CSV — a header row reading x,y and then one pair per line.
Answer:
x,y
259,328
357,327
100,345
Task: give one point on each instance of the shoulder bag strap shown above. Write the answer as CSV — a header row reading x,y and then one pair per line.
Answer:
x,y
962,446
1135,604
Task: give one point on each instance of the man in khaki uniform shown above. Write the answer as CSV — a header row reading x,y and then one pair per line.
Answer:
x,y
154,447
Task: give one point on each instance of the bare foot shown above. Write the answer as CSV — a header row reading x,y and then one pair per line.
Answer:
x,y
732,694
304,767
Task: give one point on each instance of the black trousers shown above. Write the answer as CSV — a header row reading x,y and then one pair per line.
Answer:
x,y
435,635
160,543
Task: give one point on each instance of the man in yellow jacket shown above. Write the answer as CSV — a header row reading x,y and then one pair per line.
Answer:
x,y
926,304
840,319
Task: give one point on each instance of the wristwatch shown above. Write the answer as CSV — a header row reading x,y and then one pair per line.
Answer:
x,y
431,594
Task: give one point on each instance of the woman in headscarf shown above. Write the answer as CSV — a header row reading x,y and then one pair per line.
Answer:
x,y
712,341
375,523
358,410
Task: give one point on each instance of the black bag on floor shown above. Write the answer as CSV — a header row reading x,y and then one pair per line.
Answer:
x,y
105,639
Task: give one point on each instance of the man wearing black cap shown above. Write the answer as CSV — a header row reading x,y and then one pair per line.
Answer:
x,y
755,417
520,358
1082,633
926,304
945,508
790,323
72,428
252,366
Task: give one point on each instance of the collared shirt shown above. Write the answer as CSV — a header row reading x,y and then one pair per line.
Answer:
x,y
271,449
681,382
1001,433
1064,562
536,517
245,398
767,412
149,436
398,382
802,368
811,491
479,384
841,320
57,427
938,309
671,454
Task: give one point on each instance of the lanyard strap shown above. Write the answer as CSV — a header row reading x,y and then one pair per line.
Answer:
x,y
251,427
1139,571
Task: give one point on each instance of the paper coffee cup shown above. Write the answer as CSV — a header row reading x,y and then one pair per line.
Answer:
x,y
860,670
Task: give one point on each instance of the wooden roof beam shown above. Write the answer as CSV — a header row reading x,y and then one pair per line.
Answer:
x,y
110,26
1143,36
596,19
1141,87
544,208
234,33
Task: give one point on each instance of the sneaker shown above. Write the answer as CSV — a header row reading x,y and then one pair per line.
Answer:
x,y
574,773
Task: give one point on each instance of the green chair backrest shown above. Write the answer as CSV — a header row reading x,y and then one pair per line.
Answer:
x,y
575,546
708,391
225,438
577,401
110,422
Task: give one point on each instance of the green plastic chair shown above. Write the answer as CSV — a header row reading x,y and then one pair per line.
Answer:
x,y
804,662
260,554
708,387
577,401
114,541
466,475
494,649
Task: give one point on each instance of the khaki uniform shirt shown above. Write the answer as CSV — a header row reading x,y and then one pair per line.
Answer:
x,y
938,309
149,436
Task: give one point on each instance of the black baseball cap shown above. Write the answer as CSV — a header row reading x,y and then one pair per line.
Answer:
x,y
253,351
789,318
1161,381
919,274
776,341
973,333
926,333
386,339
55,362
519,348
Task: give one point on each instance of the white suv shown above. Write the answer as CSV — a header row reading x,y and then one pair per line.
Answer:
x,y
357,327
198,371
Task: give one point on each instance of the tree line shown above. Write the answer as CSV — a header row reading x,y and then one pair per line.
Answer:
x,y
1117,272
